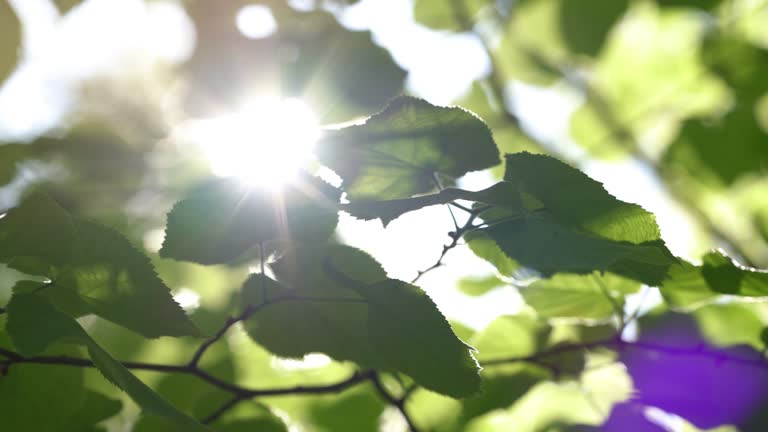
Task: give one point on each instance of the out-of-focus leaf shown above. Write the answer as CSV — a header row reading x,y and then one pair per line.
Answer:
x,y
578,296
644,83
449,15
355,410
398,151
502,387
586,24
714,150
564,29
95,408
10,156
41,397
570,223
95,269
348,314
10,39
698,4
65,6
740,63
688,284
730,324
32,335
477,286
343,74
223,219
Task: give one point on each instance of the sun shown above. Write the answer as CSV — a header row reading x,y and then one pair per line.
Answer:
x,y
264,143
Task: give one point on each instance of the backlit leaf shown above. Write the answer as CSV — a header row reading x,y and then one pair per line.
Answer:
x,y
352,311
223,219
688,284
397,152
95,269
578,296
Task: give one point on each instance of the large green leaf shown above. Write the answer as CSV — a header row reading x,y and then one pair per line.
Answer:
x,y
567,222
93,269
223,219
352,311
32,335
10,39
398,152
578,296
688,284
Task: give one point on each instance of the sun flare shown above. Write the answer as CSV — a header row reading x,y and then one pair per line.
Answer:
x,y
265,143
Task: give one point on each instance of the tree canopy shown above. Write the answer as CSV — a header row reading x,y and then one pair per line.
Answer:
x,y
376,215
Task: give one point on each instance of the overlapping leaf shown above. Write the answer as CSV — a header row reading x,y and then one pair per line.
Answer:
x,y
578,296
399,151
352,311
34,324
688,284
223,219
93,268
570,223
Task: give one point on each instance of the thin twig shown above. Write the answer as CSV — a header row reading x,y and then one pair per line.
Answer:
x,y
226,406
398,403
455,237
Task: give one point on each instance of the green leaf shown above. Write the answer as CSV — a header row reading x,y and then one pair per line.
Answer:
x,y
95,269
477,286
698,4
10,156
412,336
713,150
570,223
357,409
223,219
397,152
578,296
95,408
41,397
10,40
35,323
502,387
689,285
586,24
486,248
449,15
352,311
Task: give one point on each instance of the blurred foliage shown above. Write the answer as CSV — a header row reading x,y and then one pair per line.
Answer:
x,y
114,233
